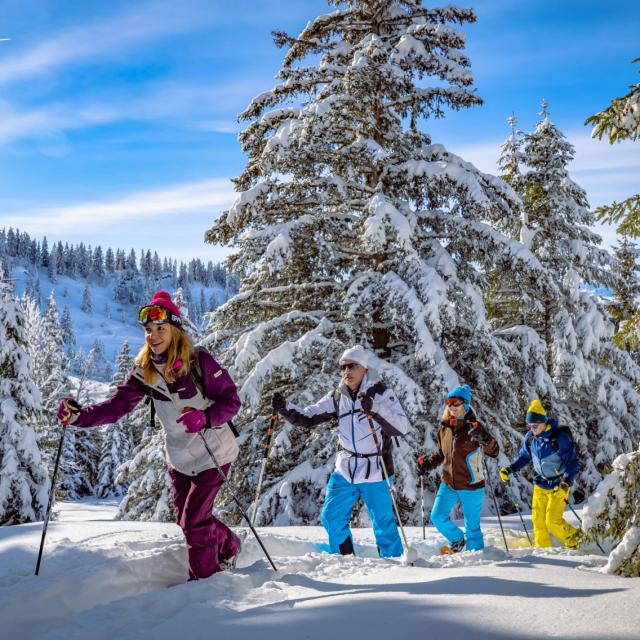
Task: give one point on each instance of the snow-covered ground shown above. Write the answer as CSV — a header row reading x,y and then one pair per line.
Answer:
x,y
103,579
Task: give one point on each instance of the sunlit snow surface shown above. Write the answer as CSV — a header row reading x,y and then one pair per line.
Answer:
x,y
105,579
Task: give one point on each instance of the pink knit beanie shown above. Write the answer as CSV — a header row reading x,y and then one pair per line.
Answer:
x,y
163,299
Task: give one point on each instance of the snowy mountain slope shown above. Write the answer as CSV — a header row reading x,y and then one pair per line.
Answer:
x,y
110,322
103,579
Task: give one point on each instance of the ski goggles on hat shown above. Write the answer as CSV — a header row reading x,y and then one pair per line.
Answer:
x,y
157,315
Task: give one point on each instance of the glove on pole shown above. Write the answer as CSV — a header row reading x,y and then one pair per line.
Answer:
x,y
267,447
52,490
236,500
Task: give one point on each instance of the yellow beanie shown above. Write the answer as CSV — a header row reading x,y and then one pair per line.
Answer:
x,y
536,412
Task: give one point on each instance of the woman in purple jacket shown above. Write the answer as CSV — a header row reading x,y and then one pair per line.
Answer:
x,y
162,370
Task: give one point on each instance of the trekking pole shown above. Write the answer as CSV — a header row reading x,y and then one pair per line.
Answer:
x,y
424,535
495,502
409,557
236,500
52,490
267,447
578,517
580,521
516,502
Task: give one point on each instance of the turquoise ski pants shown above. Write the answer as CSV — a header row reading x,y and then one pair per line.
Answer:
x,y
471,500
338,506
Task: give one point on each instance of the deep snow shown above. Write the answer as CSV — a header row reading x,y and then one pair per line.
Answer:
x,y
106,579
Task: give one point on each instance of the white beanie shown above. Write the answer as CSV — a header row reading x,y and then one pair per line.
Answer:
x,y
356,354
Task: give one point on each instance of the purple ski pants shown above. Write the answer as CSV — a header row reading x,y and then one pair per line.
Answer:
x,y
208,540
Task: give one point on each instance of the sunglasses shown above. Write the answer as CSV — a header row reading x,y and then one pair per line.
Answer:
x,y
536,425
156,314
455,405
350,366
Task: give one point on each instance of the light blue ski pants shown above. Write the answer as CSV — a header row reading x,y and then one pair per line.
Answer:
x,y
471,500
338,507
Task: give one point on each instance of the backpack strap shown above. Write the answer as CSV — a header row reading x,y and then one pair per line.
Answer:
x,y
196,374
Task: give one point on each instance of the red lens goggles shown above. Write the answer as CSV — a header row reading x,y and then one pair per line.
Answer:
x,y
157,315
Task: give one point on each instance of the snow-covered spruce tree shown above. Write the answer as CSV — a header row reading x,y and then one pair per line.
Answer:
x,y
183,305
117,439
145,475
50,366
66,324
613,512
352,226
625,297
594,381
87,304
81,451
24,483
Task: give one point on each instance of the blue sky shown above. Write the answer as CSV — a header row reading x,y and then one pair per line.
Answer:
x,y
117,119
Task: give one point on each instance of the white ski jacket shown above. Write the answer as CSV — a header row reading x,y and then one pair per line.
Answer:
x,y
358,460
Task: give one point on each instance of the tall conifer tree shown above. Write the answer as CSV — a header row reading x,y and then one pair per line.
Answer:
x,y
354,226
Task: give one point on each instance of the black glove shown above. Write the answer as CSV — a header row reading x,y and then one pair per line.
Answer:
x,y
480,436
565,485
424,465
366,402
278,402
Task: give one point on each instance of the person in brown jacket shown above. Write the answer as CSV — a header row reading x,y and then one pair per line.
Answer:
x,y
462,444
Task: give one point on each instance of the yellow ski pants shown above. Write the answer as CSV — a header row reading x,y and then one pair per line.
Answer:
x,y
547,509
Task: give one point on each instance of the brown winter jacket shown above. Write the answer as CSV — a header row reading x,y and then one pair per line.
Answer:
x,y
462,458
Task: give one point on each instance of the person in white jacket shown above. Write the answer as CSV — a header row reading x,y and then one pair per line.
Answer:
x,y
358,472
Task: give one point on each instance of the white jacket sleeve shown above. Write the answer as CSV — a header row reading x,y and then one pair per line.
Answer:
x,y
322,411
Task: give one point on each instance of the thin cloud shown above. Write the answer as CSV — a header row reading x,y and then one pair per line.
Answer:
x,y
188,104
109,37
206,197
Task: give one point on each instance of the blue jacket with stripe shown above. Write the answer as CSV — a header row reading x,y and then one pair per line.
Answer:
x,y
553,455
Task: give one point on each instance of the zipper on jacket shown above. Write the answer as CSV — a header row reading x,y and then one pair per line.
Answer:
x,y
353,438
453,454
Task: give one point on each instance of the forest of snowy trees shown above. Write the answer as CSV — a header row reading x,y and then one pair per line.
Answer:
x,y
135,273
353,225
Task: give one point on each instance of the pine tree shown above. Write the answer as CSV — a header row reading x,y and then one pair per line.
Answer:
x,y
87,305
66,324
97,264
50,371
109,261
593,381
145,475
117,441
613,512
353,226
24,483
625,299
182,304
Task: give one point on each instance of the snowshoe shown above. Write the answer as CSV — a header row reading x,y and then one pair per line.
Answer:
x,y
455,547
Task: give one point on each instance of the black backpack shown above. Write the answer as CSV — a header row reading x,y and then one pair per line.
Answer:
x,y
196,375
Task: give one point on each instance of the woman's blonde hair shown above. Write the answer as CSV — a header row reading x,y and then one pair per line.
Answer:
x,y
180,349
446,414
